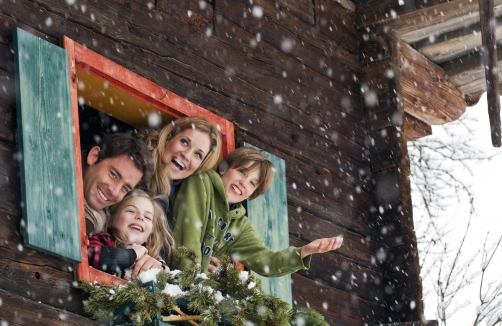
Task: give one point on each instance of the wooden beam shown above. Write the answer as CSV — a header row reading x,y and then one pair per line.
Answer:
x,y
428,95
455,47
413,23
415,323
468,75
487,19
414,129
445,17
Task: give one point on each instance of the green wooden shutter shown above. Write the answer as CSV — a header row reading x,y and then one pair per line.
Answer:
x,y
269,215
45,138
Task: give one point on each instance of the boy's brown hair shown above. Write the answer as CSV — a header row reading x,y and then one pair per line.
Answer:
x,y
247,159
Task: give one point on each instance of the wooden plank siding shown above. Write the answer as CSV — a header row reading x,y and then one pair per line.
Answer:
x,y
393,219
303,104
19,310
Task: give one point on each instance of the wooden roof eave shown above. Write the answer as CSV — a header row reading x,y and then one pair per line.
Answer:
x,y
430,98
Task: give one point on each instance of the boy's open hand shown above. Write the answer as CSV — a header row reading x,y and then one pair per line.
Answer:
x,y
214,263
322,245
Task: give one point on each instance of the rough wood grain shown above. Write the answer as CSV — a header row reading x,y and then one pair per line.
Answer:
x,y
7,87
337,22
384,151
414,22
291,39
428,94
6,59
465,74
328,209
41,283
415,323
455,47
341,307
442,18
355,247
19,310
340,273
319,128
303,9
414,129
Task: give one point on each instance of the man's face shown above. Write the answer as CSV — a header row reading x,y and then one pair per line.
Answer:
x,y
106,182
238,185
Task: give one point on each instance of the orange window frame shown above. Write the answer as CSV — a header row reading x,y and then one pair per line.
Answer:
x,y
160,98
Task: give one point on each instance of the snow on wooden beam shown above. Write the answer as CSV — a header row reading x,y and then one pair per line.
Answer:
x,y
487,19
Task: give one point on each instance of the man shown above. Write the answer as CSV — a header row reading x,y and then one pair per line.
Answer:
x,y
111,169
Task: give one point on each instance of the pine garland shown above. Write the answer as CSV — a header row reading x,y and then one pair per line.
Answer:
x,y
228,293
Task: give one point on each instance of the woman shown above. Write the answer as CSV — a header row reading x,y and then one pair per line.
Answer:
x,y
183,147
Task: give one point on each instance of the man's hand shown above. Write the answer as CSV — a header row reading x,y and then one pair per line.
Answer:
x,y
145,263
213,264
322,245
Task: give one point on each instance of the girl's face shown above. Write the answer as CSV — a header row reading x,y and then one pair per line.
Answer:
x,y
134,220
185,152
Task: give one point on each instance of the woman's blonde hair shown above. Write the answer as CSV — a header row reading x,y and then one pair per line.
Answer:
x,y
160,182
247,159
160,242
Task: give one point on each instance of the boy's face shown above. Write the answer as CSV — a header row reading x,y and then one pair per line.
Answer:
x,y
106,182
239,186
134,220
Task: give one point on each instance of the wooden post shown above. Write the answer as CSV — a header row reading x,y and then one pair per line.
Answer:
x,y
487,21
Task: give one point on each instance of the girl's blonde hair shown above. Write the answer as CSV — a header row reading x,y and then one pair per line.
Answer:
x,y
160,182
160,242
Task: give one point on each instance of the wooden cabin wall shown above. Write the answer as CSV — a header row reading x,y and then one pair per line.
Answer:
x,y
286,73
392,223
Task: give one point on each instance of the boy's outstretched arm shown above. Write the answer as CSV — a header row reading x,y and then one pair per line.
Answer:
x,y
320,246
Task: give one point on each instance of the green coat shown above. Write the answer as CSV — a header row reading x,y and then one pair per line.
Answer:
x,y
202,221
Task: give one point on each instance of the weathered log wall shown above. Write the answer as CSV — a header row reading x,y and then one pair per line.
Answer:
x,y
392,223
288,76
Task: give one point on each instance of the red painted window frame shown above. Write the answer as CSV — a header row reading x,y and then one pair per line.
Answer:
x,y
157,96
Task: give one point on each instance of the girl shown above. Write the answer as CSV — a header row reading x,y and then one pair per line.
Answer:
x,y
136,229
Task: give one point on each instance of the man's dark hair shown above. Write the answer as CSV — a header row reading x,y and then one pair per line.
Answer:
x,y
120,143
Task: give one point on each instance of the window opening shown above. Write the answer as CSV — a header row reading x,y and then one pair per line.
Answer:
x,y
107,97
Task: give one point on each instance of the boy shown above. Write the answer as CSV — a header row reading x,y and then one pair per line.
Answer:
x,y
208,217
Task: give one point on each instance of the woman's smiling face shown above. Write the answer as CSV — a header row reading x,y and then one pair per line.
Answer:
x,y
185,152
134,220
